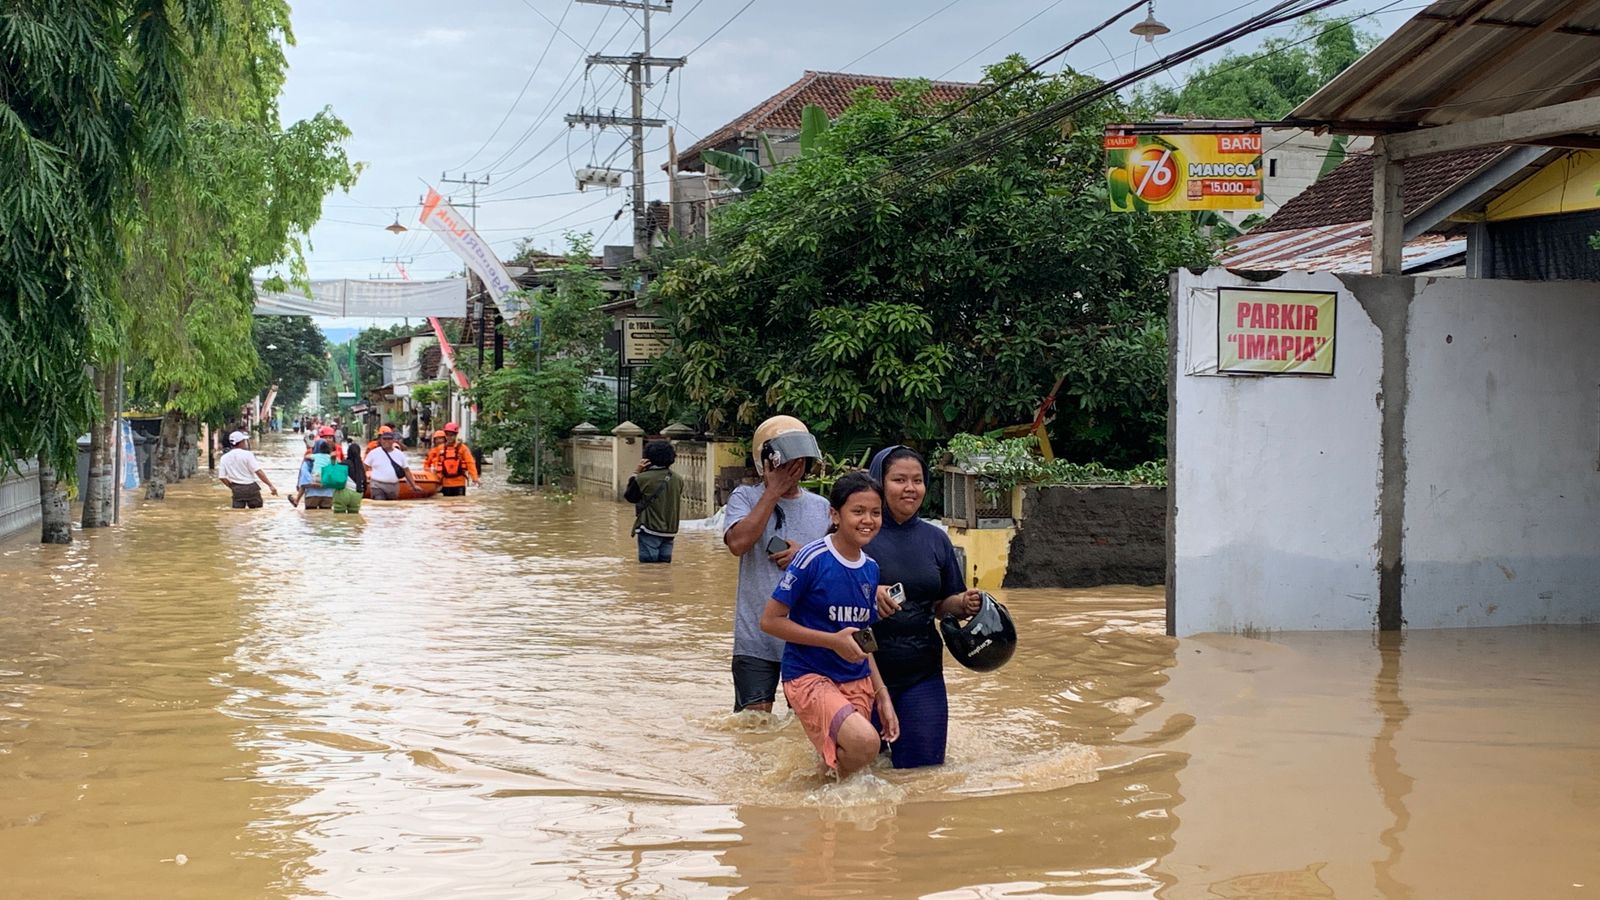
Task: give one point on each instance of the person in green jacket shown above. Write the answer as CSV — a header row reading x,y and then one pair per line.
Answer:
x,y
654,491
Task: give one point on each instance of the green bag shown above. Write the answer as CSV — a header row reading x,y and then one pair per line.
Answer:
x,y
333,475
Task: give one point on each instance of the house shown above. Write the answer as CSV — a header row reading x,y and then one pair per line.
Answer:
x,y
769,133
409,361
1392,449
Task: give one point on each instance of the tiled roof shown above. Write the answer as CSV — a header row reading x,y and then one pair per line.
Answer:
x,y
1345,194
830,90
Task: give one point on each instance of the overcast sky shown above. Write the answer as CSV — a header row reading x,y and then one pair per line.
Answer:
x,y
424,85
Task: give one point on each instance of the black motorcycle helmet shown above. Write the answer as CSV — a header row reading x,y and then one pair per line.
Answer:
x,y
986,641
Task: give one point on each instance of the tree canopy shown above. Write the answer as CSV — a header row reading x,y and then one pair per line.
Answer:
x,y
93,96
880,306
293,353
1268,83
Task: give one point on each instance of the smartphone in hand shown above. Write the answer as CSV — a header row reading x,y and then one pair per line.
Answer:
x,y
897,594
866,640
776,545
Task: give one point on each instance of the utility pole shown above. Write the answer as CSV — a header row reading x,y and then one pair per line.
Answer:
x,y
472,184
641,75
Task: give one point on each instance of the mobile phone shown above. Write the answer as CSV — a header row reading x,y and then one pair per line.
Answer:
x,y
777,545
897,594
866,640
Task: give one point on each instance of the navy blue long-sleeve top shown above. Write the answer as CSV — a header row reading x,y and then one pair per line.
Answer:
x,y
919,556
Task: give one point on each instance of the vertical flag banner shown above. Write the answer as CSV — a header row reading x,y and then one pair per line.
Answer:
x,y
130,458
458,235
1182,172
1265,332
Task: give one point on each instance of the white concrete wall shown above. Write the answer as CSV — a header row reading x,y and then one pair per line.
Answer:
x,y
1276,478
1502,518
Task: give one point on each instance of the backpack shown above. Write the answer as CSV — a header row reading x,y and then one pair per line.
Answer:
x,y
451,462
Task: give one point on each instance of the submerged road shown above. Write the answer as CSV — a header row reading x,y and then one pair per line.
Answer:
x,y
488,698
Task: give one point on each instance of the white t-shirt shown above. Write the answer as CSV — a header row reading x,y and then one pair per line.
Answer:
x,y
379,470
238,466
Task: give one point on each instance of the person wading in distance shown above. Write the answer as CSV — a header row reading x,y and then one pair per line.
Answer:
x,y
764,525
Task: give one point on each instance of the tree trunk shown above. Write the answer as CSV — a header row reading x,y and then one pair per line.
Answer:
x,y
54,507
98,496
164,468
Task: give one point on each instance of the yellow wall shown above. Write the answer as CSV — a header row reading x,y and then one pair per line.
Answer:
x,y
987,550
1567,185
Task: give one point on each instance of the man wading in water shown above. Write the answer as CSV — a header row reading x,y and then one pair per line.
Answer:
x,y
239,470
764,525
386,468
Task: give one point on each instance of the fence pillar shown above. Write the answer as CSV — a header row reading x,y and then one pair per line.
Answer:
x,y
627,448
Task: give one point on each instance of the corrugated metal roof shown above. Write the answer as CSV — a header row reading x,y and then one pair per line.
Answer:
x,y
1342,248
1458,60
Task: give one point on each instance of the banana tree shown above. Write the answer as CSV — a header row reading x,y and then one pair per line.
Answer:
x,y
746,175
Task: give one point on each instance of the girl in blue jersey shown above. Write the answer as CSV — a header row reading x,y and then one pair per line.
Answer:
x,y
829,594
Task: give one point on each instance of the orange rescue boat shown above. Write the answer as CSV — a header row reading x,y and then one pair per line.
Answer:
x,y
428,484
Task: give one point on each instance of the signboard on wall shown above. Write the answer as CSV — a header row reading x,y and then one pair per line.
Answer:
x,y
644,338
1181,172
1267,332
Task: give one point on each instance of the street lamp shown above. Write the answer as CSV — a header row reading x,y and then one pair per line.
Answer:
x,y
396,227
1151,27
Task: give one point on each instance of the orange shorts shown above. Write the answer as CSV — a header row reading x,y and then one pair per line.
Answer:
x,y
822,705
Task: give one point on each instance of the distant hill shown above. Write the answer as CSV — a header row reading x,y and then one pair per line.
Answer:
x,y
340,335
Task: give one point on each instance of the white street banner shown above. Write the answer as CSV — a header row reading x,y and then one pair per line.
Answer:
x,y
374,298
458,235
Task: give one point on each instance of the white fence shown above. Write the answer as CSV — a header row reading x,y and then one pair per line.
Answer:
x,y
19,499
602,466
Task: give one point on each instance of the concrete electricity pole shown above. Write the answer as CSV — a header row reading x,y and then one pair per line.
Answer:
x,y
641,74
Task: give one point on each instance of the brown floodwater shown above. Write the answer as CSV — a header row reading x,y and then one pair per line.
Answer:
x,y
489,698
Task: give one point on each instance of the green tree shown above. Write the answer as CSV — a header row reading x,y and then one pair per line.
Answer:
x,y
293,353
1269,82
243,198
90,95
553,353
879,306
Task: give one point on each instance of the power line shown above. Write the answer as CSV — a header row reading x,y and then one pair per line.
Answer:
x,y
1025,23
712,36
907,30
520,94
946,160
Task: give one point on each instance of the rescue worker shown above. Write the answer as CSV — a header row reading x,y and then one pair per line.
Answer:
x,y
453,461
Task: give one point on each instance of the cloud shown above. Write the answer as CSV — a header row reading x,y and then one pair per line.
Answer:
x,y
440,37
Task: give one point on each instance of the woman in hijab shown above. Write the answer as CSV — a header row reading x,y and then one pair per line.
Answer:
x,y
916,555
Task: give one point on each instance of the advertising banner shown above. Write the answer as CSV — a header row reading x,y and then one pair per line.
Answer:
x,y
1266,332
458,235
644,338
1180,172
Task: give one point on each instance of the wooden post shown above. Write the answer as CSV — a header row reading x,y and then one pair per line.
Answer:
x,y
1388,210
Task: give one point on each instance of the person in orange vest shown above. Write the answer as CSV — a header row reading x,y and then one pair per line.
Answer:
x,y
453,461
373,444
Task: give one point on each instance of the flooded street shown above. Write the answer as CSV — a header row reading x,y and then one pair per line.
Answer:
x,y
489,698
